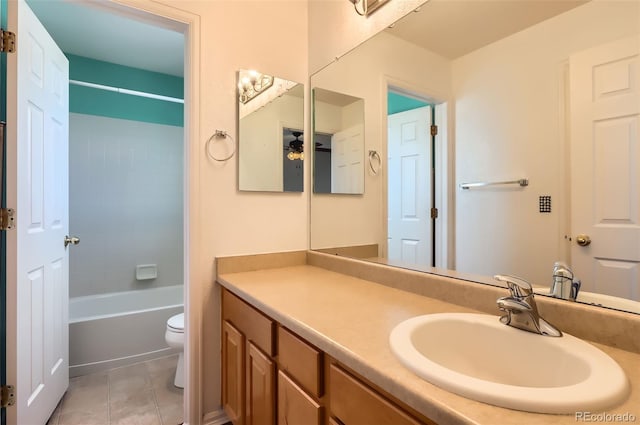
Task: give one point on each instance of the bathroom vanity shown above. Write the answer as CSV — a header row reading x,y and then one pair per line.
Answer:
x,y
305,340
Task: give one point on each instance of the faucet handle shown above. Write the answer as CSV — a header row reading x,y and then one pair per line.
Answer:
x,y
518,287
562,270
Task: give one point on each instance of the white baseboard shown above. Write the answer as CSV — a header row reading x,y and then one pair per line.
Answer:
x,y
218,417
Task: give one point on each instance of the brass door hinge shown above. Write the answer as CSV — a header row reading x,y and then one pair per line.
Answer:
x,y
7,219
7,395
434,130
434,213
7,41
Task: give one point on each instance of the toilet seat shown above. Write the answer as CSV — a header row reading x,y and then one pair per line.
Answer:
x,y
176,323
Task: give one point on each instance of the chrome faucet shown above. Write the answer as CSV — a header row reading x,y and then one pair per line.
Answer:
x,y
563,285
521,309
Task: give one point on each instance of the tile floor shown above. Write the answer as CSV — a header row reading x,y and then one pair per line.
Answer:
x,y
141,394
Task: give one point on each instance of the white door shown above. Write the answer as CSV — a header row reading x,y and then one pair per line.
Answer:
x,y
347,160
409,189
37,186
605,161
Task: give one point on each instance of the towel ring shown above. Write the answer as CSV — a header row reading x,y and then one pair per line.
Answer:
x,y
374,157
220,134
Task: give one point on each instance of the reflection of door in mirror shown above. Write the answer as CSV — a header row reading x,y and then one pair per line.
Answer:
x,y
410,237
347,169
605,106
340,118
416,213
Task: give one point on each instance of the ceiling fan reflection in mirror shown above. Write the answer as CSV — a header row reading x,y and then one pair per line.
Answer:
x,y
296,146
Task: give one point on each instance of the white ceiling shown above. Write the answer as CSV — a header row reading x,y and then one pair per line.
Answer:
x,y
453,28
103,31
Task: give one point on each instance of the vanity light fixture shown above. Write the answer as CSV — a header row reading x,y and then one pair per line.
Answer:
x,y
252,84
367,7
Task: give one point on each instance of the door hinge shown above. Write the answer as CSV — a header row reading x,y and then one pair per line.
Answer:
x,y
7,41
434,130
7,218
434,213
7,395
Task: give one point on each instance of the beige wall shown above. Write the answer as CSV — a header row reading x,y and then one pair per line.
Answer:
x,y
509,125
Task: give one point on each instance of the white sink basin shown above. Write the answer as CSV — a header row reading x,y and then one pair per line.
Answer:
x,y
476,356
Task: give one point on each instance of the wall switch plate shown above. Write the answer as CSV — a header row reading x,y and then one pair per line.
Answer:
x,y
545,204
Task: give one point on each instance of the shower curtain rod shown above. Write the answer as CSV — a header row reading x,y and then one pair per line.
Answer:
x,y
127,91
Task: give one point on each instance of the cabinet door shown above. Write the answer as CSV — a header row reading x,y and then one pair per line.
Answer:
x,y
233,373
353,403
260,384
295,407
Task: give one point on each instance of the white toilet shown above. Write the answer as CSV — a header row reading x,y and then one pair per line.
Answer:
x,y
175,339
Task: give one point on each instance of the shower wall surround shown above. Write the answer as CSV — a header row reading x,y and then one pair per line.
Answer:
x,y
125,203
126,180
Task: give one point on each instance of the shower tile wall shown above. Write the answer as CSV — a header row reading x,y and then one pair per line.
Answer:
x,y
125,202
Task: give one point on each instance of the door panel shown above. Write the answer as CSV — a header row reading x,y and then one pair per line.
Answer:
x,y
605,156
37,261
347,160
409,188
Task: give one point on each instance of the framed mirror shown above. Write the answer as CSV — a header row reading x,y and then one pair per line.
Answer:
x,y
338,137
500,104
270,133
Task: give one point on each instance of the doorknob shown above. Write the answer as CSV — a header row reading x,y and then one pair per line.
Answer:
x,y
71,240
583,240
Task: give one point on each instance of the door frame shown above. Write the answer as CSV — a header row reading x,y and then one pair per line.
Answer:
x,y
188,23
445,168
3,234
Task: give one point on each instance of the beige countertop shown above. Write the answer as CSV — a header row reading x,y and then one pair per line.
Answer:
x,y
351,319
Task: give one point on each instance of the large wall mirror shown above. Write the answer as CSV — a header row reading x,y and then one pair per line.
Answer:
x,y
338,135
510,138
270,133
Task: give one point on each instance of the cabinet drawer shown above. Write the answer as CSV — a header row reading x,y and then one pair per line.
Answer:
x,y
256,327
301,361
294,405
353,403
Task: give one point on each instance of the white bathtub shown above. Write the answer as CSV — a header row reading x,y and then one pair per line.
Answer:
x,y
121,328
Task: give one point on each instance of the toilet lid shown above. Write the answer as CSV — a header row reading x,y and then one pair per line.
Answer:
x,y
176,323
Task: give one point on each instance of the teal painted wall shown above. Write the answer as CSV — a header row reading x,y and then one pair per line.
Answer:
x,y
91,101
398,103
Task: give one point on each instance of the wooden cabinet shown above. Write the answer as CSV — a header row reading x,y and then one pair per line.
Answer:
x,y
270,375
233,373
261,386
348,396
295,406
300,360
248,372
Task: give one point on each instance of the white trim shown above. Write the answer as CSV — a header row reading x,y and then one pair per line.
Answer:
x,y
126,91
